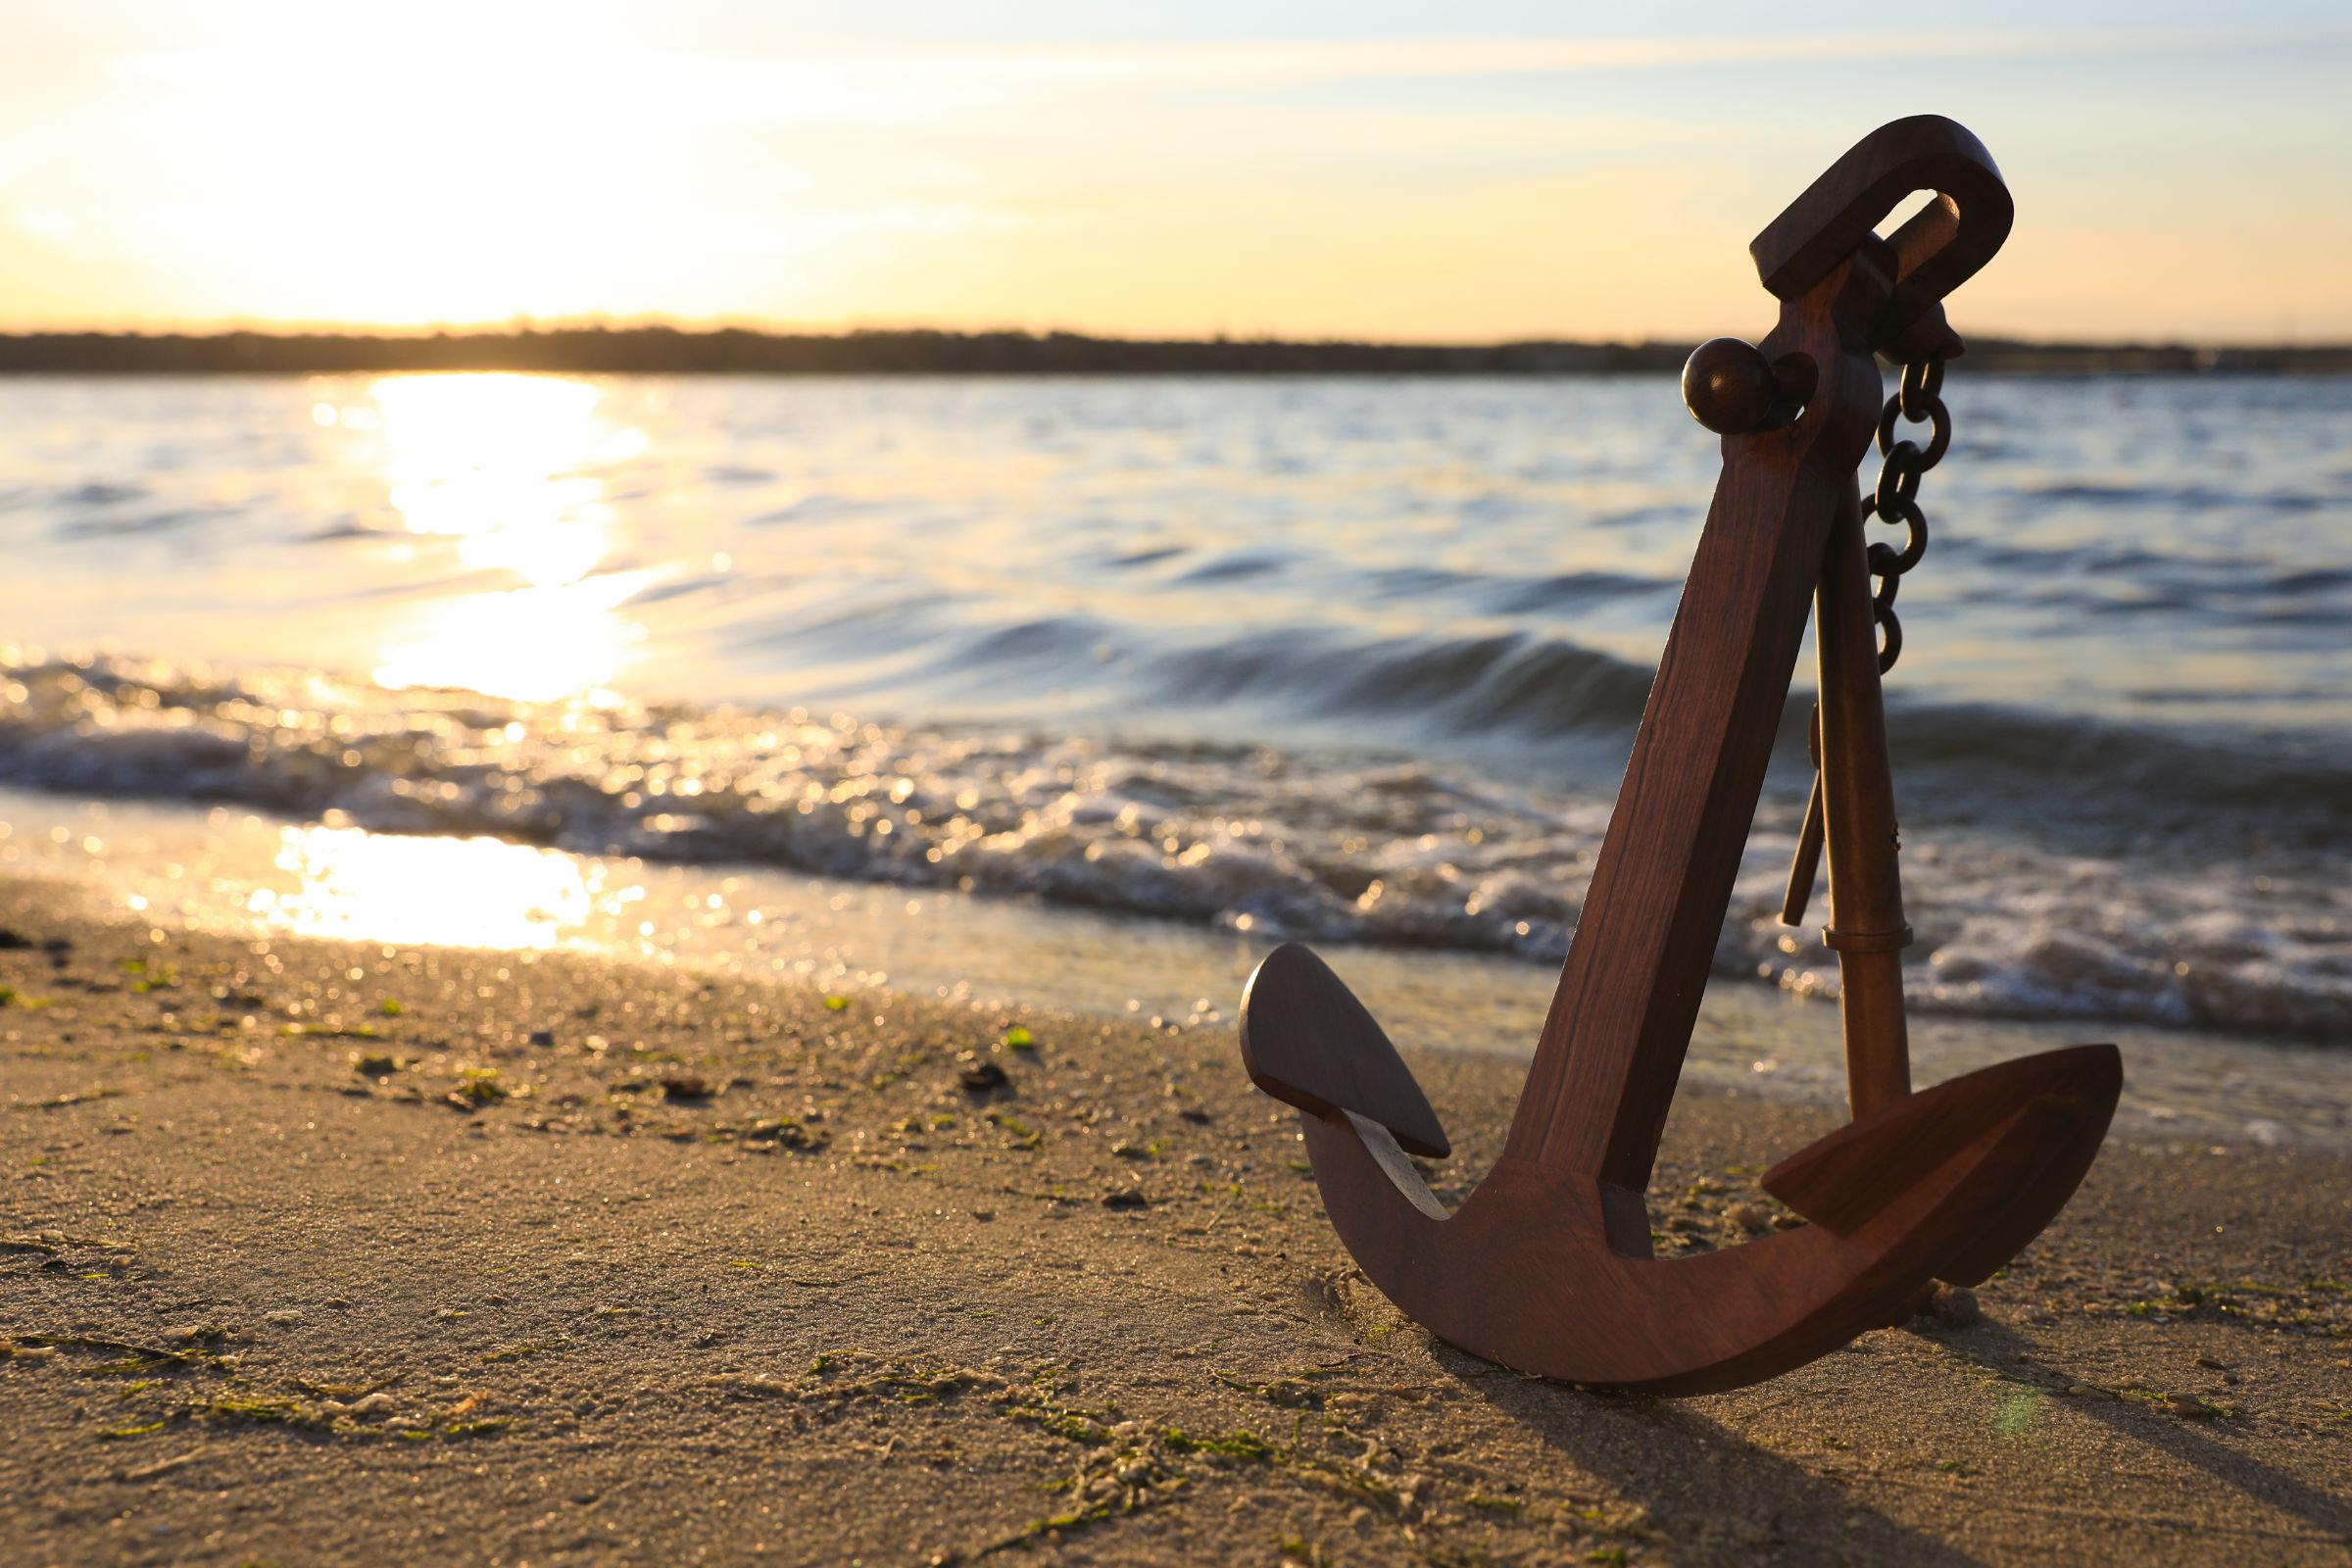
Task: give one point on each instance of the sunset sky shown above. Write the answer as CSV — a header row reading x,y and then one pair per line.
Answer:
x,y
1473,170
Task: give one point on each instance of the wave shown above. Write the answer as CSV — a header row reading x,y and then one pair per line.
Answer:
x,y
2140,496
1275,843
2105,779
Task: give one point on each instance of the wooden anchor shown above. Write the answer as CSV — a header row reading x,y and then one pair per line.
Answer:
x,y
1548,1265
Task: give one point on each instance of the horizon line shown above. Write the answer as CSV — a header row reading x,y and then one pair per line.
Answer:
x,y
529,327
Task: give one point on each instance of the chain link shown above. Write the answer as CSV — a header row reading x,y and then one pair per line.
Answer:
x,y
1895,500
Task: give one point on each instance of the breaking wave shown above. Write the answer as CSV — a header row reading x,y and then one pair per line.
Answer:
x,y
2250,933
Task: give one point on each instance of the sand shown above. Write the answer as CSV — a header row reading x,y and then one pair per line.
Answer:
x,y
319,1252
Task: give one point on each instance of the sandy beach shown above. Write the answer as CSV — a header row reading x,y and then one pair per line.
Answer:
x,y
314,1251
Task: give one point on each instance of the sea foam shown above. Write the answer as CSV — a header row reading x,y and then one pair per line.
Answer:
x,y
1310,844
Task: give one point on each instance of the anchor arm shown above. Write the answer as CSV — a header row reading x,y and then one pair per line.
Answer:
x,y
1535,1269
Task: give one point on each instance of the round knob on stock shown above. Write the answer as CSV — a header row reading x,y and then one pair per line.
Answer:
x,y
1731,387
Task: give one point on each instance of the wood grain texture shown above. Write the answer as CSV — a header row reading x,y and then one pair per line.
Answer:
x,y
1549,1271
1612,1044
1867,928
1306,1041
1548,1266
1938,249
1844,1179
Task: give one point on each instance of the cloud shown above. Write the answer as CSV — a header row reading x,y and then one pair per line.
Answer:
x,y
1246,65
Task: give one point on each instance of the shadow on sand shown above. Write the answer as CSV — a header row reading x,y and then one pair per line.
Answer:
x,y
1696,1477
1998,1348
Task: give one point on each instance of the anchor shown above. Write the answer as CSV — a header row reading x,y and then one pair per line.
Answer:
x,y
1548,1265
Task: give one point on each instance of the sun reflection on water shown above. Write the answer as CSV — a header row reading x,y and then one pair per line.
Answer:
x,y
503,469
533,644
477,893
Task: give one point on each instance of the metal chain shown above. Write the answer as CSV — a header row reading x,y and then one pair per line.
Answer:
x,y
1896,497
1895,500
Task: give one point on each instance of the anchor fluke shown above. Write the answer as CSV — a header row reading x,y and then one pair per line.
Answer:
x,y
1848,1176
2038,1124
1306,1041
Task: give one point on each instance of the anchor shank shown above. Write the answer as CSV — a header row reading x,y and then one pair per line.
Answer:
x,y
1866,892
1612,1047
1621,1018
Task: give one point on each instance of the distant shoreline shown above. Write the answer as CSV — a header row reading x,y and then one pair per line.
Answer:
x,y
735,351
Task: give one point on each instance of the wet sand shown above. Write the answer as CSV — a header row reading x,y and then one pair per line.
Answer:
x,y
314,1251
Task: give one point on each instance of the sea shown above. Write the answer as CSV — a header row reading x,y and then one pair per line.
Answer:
x,y
777,670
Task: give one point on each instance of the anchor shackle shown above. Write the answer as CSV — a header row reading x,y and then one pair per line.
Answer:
x,y
1732,388
1935,251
